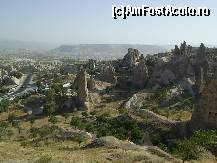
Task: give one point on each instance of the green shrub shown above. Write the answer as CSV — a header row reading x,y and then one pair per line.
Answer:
x,y
18,75
125,128
188,150
34,132
53,119
4,105
11,118
49,108
44,159
45,131
24,143
192,148
90,128
104,131
3,129
84,114
123,111
77,122
93,113
206,139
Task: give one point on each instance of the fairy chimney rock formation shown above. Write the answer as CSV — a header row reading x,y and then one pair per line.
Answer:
x,y
140,73
107,74
131,57
82,90
201,70
91,84
205,113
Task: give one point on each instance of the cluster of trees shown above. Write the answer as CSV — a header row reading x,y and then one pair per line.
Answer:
x,y
40,135
3,91
56,91
4,105
56,88
189,148
3,129
123,128
50,106
192,148
126,128
10,122
18,75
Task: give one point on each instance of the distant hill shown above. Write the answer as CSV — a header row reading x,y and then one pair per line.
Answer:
x,y
106,50
14,44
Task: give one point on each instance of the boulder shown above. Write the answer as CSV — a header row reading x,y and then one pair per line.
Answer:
x,y
68,133
131,103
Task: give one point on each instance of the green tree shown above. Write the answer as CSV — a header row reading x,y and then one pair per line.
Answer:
x,y
32,121
4,105
50,95
16,124
11,118
39,86
188,150
89,128
84,114
49,108
18,75
191,148
58,89
77,122
3,129
206,139
137,134
53,119
104,131
34,132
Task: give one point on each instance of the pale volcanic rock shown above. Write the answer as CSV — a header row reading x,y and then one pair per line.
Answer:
x,y
82,90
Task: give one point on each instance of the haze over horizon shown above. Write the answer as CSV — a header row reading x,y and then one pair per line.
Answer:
x,y
90,22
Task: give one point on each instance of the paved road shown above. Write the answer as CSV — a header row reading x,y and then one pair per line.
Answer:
x,y
24,87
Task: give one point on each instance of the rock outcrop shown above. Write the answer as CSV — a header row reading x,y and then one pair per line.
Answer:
x,y
91,84
68,133
131,57
161,77
140,74
151,153
205,113
201,70
107,74
82,90
172,67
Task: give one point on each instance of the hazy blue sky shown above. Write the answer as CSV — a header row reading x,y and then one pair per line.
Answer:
x,y
90,21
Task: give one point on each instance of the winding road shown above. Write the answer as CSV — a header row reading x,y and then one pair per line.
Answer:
x,y
21,89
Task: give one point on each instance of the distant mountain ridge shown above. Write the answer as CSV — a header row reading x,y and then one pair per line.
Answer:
x,y
108,50
16,44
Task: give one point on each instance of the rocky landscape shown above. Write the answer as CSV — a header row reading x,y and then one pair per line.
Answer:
x,y
140,108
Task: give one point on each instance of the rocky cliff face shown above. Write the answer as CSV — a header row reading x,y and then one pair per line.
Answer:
x,y
107,74
205,113
140,74
172,67
131,57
